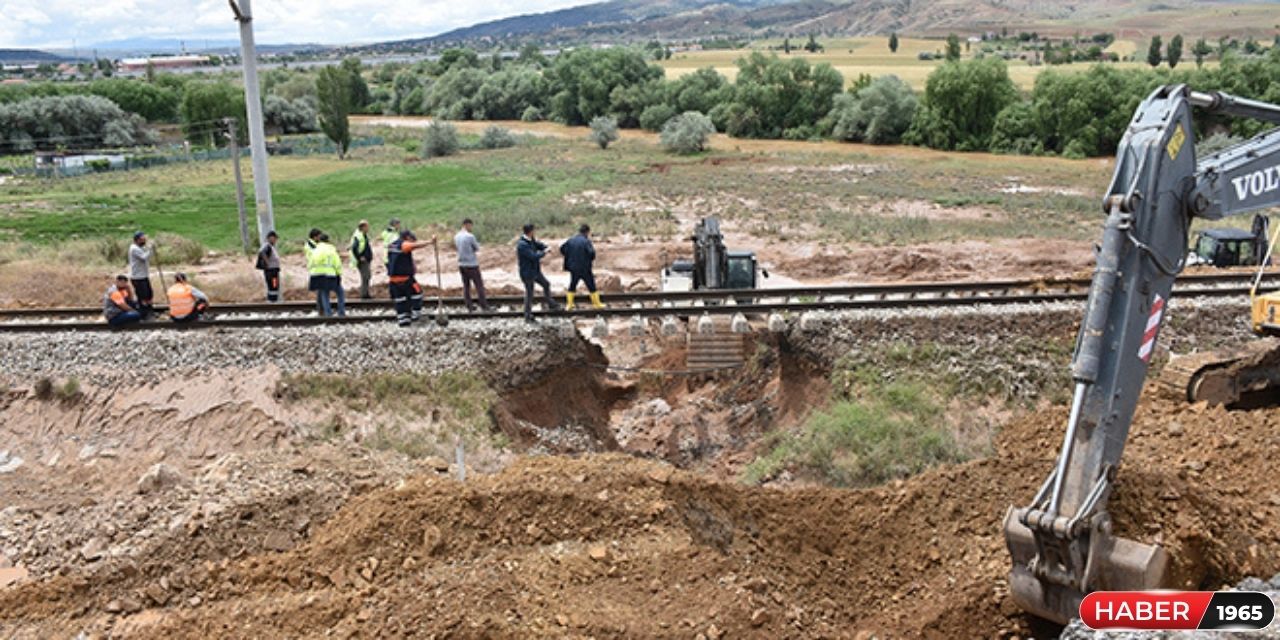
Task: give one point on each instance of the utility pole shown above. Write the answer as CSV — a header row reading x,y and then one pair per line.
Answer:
x,y
234,146
257,137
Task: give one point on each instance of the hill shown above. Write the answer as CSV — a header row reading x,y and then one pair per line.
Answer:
x,y
630,20
29,56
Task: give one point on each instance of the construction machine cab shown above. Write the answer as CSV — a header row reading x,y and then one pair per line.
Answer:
x,y
713,266
1231,247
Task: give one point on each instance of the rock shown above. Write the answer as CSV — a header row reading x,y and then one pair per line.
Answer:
x,y
113,606
598,552
11,575
660,475
156,594
130,605
194,601
436,463
609,283
432,540
657,407
759,617
1196,465
93,549
9,463
714,633
278,541
158,478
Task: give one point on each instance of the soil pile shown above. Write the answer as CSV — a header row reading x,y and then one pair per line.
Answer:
x,y
609,545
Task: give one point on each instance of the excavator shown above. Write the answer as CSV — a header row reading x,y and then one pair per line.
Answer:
x,y
1062,545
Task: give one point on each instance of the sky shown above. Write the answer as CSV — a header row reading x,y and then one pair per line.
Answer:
x,y
57,23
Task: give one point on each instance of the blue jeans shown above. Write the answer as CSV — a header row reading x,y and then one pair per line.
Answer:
x,y
127,317
322,298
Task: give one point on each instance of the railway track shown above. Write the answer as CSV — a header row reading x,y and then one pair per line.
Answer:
x,y
649,304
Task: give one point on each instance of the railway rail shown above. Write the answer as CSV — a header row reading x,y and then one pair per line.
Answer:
x,y
649,304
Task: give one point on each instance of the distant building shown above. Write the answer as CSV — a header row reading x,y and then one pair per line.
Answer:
x,y
163,62
63,162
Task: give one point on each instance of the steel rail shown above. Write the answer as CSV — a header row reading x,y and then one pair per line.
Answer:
x,y
902,289
753,308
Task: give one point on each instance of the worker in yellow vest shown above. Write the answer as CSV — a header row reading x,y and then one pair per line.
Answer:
x,y
186,303
326,275
362,257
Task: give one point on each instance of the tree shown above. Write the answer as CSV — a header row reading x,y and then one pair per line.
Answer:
x,y
687,133
878,113
893,43
359,88
1153,52
604,131
655,116
1201,50
441,139
786,46
776,98
205,105
531,55
812,45
960,105
586,83
73,121
290,116
953,47
1174,52
334,86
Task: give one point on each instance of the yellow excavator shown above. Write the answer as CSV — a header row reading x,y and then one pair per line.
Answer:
x,y
1061,544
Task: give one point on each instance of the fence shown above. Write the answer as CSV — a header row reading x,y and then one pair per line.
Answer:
x,y
131,160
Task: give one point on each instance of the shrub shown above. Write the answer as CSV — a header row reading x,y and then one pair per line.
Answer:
x,y
440,140
531,114
961,101
496,137
604,131
172,249
654,116
687,133
878,113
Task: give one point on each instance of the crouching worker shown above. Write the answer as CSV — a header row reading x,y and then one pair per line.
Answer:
x,y
406,294
186,303
119,306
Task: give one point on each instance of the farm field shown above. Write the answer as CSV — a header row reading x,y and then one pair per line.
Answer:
x,y
870,55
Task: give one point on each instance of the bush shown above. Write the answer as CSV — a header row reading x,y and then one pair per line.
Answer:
x,y
604,131
960,105
531,114
495,137
654,116
878,113
440,140
172,249
687,133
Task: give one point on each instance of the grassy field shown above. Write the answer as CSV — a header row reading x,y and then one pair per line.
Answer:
x,y
836,191
871,55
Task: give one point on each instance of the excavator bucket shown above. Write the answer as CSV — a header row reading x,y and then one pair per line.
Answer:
x,y
1228,377
1113,564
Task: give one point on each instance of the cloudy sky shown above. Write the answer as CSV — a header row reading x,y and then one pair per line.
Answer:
x,y
55,23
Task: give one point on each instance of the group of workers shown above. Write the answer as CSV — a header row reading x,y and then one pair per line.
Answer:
x,y
130,299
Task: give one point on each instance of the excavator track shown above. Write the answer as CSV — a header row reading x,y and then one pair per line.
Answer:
x,y
1224,376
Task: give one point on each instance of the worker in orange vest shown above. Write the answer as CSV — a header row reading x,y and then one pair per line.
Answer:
x,y
186,303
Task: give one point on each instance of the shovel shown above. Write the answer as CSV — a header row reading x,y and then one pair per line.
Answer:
x,y
441,319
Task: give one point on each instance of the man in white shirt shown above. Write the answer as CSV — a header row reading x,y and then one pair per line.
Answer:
x,y
469,265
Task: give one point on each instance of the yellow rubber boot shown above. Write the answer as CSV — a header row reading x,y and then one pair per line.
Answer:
x,y
568,302
595,300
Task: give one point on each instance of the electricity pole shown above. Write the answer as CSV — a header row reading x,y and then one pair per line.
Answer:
x,y
257,137
235,163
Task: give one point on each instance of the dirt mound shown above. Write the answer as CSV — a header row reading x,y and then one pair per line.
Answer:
x,y
609,545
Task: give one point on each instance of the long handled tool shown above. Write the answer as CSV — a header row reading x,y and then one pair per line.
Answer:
x,y
155,253
441,319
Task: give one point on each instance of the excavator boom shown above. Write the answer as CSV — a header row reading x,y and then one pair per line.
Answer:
x,y
1062,545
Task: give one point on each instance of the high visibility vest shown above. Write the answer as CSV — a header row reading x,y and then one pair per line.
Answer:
x,y
324,261
389,236
359,242
181,301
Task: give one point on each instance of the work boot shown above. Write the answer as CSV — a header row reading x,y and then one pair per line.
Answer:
x,y
595,300
568,302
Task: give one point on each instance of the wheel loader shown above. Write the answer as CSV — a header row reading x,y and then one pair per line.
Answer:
x,y
1061,544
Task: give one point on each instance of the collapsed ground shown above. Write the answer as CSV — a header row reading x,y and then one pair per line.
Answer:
x,y
286,486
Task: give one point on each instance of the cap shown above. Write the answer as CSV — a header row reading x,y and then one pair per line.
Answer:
x,y
408,235
180,276
138,234
393,222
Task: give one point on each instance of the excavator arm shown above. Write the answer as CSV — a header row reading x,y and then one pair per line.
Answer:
x,y
1061,545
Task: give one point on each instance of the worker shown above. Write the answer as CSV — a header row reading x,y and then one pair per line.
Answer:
x,y
186,303
579,254
406,294
326,275
362,257
391,233
313,237
529,254
119,306
469,265
269,265
140,273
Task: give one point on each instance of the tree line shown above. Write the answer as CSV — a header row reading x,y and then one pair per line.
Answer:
x,y
966,105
